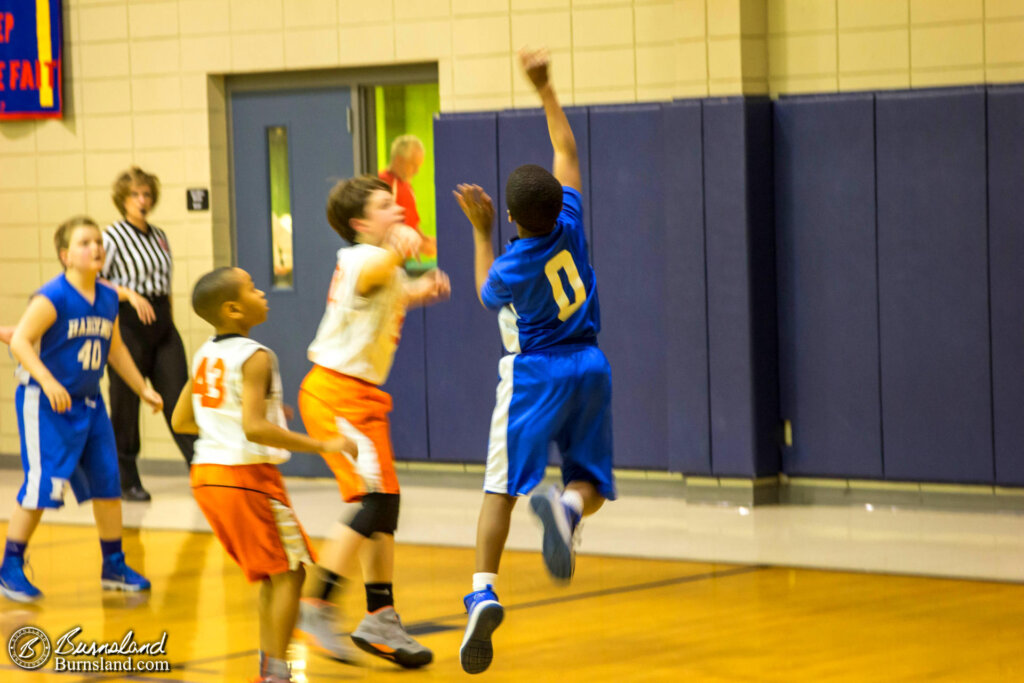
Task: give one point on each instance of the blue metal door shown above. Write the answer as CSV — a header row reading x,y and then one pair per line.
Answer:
x,y
320,152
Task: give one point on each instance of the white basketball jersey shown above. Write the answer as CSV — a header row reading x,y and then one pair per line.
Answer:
x,y
358,335
217,404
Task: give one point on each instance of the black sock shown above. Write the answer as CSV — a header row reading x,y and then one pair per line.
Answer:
x,y
379,595
15,549
110,547
329,581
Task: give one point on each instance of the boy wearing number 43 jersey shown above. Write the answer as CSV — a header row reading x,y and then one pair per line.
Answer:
x,y
555,384
234,403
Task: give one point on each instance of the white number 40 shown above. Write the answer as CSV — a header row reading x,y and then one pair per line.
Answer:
x,y
91,355
563,261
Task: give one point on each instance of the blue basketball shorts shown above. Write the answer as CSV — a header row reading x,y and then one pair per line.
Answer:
x,y
76,448
563,398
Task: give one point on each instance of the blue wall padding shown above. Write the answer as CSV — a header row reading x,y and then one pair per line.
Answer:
x,y
737,156
933,285
1006,250
827,289
407,385
681,189
728,288
831,259
630,228
462,341
523,139
763,314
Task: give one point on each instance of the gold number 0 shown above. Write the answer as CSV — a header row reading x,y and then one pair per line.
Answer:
x,y
563,261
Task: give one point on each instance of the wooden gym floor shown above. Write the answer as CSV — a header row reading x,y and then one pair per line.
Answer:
x,y
622,619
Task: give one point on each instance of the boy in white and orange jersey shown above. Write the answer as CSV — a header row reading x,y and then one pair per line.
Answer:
x,y
234,404
352,355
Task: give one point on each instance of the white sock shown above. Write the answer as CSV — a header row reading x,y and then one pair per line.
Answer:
x,y
482,580
573,500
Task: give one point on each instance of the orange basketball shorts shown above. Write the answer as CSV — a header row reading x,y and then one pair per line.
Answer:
x,y
249,511
332,403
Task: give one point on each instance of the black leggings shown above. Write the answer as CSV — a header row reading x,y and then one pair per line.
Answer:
x,y
160,356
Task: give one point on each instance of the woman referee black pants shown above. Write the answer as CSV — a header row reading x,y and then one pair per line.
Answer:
x,y
159,354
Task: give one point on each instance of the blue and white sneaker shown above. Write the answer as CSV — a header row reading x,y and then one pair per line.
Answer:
x,y
485,615
118,576
559,528
13,583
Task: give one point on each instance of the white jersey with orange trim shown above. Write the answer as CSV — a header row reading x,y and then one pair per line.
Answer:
x,y
217,403
358,335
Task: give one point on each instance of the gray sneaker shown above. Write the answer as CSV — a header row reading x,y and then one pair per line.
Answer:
x,y
381,633
320,622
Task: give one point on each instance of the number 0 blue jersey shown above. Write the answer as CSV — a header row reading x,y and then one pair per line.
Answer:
x,y
74,349
545,286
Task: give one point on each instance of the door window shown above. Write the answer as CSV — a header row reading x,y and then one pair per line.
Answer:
x,y
280,207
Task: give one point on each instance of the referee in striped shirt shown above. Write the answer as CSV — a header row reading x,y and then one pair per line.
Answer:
x,y
139,264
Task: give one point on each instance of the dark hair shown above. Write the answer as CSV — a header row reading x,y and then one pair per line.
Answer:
x,y
62,237
534,198
134,176
347,200
212,290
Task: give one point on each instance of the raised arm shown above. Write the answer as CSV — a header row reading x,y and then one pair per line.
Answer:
x,y
566,165
479,209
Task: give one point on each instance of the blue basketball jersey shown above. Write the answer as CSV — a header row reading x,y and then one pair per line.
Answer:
x,y
74,349
545,286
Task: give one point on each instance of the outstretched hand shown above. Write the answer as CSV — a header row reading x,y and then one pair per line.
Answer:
x,y
536,64
477,206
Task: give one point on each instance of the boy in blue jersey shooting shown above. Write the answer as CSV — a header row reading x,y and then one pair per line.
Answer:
x,y
63,342
555,384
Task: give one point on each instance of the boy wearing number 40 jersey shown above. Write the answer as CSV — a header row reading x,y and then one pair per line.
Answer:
x,y
63,343
555,384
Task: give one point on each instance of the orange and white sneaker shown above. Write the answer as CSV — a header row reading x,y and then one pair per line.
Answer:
x,y
381,633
